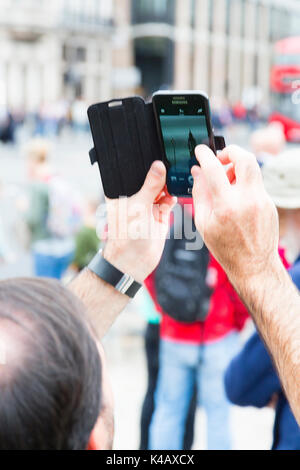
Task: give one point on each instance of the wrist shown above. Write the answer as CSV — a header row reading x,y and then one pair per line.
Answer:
x,y
255,285
272,269
121,257
254,270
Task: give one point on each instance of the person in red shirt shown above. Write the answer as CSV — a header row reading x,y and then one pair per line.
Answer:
x,y
196,354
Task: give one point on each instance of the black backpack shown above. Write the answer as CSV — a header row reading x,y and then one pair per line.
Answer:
x,y
180,278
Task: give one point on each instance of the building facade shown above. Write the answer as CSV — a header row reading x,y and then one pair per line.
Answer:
x,y
54,50
221,46
99,49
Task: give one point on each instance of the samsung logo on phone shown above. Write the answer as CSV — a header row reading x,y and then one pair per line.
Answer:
x,y
179,100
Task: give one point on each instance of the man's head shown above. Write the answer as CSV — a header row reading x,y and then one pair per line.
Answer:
x,y
282,181
37,156
269,140
50,368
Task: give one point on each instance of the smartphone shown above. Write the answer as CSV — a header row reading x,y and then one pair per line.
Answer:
x,y
183,121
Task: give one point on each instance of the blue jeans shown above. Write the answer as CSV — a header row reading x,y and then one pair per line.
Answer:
x,y
52,257
180,368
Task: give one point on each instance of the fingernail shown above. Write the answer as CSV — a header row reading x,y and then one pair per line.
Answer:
x,y
195,171
157,168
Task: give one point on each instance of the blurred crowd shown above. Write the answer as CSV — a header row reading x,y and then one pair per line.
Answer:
x,y
224,115
50,120
53,118
195,360
55,222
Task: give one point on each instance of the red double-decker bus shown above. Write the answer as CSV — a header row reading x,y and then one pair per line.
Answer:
x,y
285,85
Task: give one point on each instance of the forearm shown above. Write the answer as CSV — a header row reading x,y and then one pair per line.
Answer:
x,y
275,306
102,301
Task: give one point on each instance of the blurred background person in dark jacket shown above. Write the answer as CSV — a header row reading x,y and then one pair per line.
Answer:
x,y
251,379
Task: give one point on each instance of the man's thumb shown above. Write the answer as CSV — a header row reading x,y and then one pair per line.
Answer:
x,y
154,182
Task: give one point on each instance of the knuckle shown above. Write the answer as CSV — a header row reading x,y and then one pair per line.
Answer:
x,y
232,148
250,157
255,206
251,165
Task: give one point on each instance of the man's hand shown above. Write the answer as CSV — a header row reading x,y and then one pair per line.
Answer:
x,y
233,212
239,224
137,229
138,225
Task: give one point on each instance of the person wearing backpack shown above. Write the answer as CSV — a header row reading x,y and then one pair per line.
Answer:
x,y
152,340
201,315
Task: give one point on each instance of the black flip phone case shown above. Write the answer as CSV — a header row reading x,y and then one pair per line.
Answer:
x,y
126,142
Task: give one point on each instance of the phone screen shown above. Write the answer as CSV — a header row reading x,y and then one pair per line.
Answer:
x,y
184,123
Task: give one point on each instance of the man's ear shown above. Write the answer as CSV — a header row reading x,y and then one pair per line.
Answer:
x,y
96,437
102,435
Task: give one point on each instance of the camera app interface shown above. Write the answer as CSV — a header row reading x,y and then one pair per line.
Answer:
x,y
183,126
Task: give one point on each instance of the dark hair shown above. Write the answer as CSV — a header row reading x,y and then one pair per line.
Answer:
x,y
50,385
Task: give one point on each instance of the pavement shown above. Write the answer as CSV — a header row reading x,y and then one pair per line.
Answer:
x,y
251,428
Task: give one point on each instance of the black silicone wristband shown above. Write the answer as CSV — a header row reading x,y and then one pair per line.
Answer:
x,y
123,283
